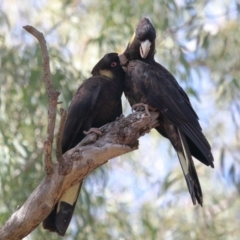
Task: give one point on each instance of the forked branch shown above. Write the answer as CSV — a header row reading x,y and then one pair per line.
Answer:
x,y
117,138
52,99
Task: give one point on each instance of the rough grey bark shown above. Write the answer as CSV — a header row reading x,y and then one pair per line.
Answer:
x,y
118,137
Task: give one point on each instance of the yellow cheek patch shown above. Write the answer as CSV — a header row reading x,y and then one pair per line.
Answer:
x,y
133,36
106,73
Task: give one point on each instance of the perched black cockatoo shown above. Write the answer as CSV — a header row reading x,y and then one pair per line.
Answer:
x,y
96,103
148,82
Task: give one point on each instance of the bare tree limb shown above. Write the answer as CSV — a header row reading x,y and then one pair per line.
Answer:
x,y
52,99
118,137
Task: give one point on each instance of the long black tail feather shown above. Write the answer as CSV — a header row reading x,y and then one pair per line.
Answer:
x,y
189,171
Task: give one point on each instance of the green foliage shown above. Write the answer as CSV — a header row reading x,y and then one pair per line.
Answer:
x,y
141,195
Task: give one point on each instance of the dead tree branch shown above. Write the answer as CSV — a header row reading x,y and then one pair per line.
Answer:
x,y
118,137
52,99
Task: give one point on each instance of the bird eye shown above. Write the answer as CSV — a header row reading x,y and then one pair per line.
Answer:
x,y
113,64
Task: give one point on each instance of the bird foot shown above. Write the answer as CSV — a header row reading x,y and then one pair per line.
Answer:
x,y
93,130
141,107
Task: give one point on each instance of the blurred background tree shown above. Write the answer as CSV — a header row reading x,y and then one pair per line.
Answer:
x,y
141,195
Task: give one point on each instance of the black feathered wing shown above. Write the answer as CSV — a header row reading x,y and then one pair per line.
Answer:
x,y
78,117
82,103
162,94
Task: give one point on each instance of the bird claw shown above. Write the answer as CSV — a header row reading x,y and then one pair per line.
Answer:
x,y
141,107
93,130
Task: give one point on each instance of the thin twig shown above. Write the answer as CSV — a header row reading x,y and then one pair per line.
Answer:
x,y
52,99
59,156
